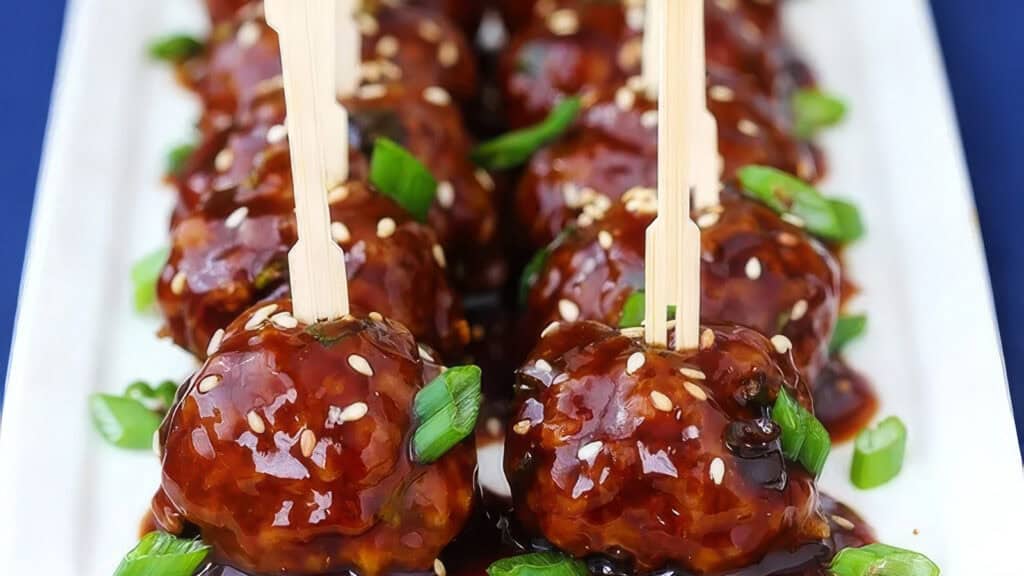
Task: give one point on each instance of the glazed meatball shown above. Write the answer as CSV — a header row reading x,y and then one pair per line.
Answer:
x,y
614,147
756,270
657,458
577,47
412,45
289,450
228,257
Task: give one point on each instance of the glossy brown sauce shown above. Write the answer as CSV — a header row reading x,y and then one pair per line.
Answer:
x,y
844,400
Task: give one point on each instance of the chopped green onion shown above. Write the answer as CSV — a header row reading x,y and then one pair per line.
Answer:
x,y
531,273
848,329
145,274
160,554
833,220
635,308
446,410
398,174
538,564
882,560
878,454
124,422
177,157
804,439
157,398
814,110
515,148
175,48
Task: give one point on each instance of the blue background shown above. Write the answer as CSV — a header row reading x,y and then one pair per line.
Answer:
x,y
984,52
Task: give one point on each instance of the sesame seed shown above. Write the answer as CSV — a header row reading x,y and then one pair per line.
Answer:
x,y
260,316
368,25
707,220
563,22
386,228
631,53
445,194
209,383
307,442
799,310
569,310
360,365
550,329
749,128
372,91
695,391
753,269
337,194
248,34
543,365
256,423
224,160
439,255
649,119
284,321
842,522
661,402
625,99
429,31
376,316
605,239
340,233
215,342
589,451
635,362
437,96
235,219
635,83
439,568
424,354
521,427
707,339
387,46
179,283
721,93
692,373
635,18
787,239
793,219
448,54
633,332
781,344
352,413
277,134
717,471
484,178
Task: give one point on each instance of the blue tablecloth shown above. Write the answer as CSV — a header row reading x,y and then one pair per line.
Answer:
x,y
984,50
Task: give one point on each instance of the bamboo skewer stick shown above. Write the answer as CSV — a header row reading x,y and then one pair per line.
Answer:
x,y
651,48
709,161
318,140
349,47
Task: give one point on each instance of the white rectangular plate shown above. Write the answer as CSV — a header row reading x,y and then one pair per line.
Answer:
x,y
72,505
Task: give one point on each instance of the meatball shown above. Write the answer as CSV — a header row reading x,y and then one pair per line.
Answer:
x,y
659,458
614,148
227,257
575,47
289,450
756,270
411,45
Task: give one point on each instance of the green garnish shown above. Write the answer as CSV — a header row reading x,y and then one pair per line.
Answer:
x,y
145,274
446,410
177,157
878,454
833,220
538,564
124,422
158,398
804,439
515,148
882,560
531,273
160,554
634,309
848,329
814,110
175,48
398,174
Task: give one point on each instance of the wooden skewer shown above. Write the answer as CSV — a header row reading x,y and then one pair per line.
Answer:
x,y
318,139
672,268
651,48
349,48
709,162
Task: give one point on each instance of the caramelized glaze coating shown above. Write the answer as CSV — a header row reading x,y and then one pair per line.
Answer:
x,y
614,147
756,270
578,47
289,451
227,257
415,46
659,458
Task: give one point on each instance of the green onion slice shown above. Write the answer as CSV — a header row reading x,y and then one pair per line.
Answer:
x,y
160,554
398,174
124,422
848,329
635,308
878,454
175,48
145,274
158,398
882,560
446,410
531,273
814,110
538,564
833,220
177,157
804,439
515,148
